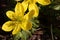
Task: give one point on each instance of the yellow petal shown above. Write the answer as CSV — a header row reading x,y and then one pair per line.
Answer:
x,y
8,26
44,2
25,5
29,15
10,14
19,10
34,7
32,1
26,25
16,29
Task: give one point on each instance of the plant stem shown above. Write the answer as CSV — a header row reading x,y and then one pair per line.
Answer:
x,y
52,33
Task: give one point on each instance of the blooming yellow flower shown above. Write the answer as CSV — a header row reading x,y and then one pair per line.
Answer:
x,y
19,20
30,4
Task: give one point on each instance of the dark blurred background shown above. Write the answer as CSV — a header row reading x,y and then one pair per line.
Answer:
x,y
5,5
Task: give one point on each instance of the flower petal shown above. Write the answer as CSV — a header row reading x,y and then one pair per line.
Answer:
x,y
26,25
25,5
29,15
19,10
8,26
34,7
16,29
44,2
10,14
32,1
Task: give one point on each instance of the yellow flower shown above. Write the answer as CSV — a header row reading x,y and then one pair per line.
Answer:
x,y
34,7
44,2
19,20
30,4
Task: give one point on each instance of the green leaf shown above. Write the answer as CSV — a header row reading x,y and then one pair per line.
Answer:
x,y
35,22
25,35
35,25
18,36
57,7
33,30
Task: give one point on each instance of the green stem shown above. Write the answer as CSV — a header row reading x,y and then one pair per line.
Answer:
x,y
52,33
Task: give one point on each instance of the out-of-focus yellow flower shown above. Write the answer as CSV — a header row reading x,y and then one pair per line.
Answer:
x,y
19,20
44,2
